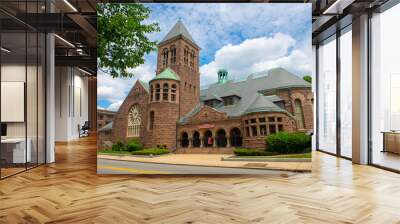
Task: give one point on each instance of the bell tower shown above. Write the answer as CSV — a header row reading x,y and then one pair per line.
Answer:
x,y
179,52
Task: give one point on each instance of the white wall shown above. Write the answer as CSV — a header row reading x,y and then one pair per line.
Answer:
x,y
71,102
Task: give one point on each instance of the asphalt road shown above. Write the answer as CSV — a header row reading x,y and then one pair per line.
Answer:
x,y
105,166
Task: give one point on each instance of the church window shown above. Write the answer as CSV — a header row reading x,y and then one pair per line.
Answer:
x,y
173,54
253,130
298,114
263,130
151,120
272,129
151,93
165,92
186,55
158,92
192,59
173,92
165,57
134,121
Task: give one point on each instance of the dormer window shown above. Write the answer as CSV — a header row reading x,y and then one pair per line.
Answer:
x,y
211,103
230,100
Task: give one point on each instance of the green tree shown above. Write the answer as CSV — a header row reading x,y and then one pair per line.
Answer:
x,y
307,78
123,37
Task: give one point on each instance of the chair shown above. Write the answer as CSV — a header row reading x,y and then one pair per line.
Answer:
x,y
84,130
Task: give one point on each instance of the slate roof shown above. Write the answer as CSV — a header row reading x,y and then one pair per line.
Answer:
x,y
249,91
107,127
177,30
168,73
145,85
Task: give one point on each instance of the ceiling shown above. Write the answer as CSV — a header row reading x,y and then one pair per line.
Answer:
x,y
74,21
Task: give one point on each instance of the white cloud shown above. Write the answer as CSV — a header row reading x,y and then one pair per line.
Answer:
x,y
114,90
254,55
115,106
221,30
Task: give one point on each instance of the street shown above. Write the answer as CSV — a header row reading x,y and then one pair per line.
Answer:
x,y
105,166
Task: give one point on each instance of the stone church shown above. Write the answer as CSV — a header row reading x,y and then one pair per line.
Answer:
x,y
172,111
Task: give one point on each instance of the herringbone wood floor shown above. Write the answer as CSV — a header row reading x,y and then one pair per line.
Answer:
x,y
69,191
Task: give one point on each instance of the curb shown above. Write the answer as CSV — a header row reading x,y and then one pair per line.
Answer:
x,y
248,159
254,168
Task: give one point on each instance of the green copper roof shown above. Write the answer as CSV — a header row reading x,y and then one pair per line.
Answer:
x,y
178,29
167,74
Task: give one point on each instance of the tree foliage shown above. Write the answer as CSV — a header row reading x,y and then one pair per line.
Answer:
x,y
123,37
307,78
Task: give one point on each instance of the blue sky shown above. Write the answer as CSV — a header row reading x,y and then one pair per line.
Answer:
x,y
242,38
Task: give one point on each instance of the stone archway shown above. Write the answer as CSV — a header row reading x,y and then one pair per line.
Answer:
x,y
236,137
196,141
221,138
208,140
184,140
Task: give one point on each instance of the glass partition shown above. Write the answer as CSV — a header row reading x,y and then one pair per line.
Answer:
x,y
385,89
22,77
327,97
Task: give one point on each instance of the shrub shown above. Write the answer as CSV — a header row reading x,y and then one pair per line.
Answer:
x,y
133,145
151,151
286,143
118,146
252,152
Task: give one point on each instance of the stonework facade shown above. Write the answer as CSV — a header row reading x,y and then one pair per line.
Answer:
x,y
171,111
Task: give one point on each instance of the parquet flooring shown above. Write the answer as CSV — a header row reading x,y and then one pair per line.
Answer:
x,y
70,191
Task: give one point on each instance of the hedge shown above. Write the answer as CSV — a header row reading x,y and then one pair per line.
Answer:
x,y
287,143
252,152
118,146
133,145
151,151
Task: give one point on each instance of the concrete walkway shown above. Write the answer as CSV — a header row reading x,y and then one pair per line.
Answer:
x,y
213,160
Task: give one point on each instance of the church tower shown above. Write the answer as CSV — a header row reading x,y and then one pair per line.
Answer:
x,y
179,52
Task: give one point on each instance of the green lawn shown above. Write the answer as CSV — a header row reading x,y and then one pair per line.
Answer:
x,y
105,151
303,155
151,151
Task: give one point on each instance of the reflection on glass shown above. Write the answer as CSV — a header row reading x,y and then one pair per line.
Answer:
x,y
346,94
385,86
327,97
13,84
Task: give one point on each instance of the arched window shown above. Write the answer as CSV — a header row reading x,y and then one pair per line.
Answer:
x,y
134,121
165,57
151,93
221,138
165,92
298,113
173,54
173,93
158,92
185,140
192,59
196,139
151,120
186,55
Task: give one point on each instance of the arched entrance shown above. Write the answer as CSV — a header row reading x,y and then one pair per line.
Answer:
x,y
208,139
221,138
196,139
185,140
236,137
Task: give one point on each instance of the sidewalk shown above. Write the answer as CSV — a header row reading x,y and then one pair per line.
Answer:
x,y
212,160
